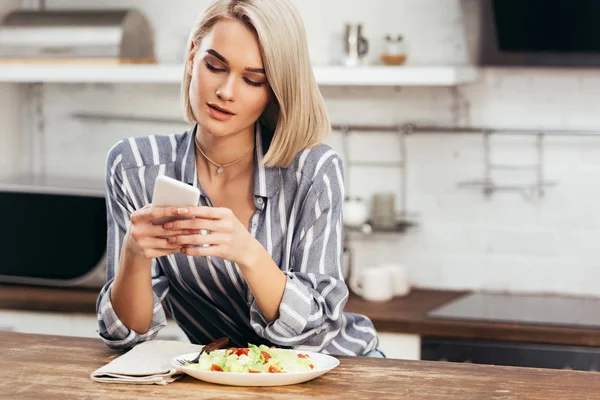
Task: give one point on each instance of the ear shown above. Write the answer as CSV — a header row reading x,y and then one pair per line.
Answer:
x,y
192,56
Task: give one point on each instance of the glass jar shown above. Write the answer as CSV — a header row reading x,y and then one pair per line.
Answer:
x,y
394,50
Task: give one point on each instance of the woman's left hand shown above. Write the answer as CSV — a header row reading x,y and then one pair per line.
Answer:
x,y
227,236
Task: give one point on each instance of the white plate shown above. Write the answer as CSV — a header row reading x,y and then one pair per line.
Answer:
x,y
324,364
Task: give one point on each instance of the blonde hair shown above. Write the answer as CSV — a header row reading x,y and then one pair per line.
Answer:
x,y
299,118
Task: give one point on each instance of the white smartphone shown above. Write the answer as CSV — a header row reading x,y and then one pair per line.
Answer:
x,y
169,192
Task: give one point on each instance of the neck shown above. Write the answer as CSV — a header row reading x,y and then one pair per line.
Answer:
x,y
232,153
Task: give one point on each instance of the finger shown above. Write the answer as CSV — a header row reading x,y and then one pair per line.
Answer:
x,y
210,212
155,213
159,231
152,243
142,231
211,239
211,251
155,253
152,213
196,224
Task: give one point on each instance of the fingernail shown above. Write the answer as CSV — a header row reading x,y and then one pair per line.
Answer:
x,y
182,210
168,225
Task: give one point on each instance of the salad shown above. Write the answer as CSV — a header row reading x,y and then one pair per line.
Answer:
x,y
254,359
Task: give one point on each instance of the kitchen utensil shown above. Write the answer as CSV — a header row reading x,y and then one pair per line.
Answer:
x,y
399,277
356,45
116,36
324,363
373,284
395,50
355,212
217,344
384,211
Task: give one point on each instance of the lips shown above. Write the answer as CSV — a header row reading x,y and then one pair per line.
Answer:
x,y
220,109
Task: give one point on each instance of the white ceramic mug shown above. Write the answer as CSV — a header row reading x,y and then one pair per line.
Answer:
x,y
399,277
374,284
381,283
355,212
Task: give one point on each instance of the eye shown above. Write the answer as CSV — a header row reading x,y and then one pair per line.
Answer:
x,y
252,83
213,68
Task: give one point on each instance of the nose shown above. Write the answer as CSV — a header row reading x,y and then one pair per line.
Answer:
x,y
226,91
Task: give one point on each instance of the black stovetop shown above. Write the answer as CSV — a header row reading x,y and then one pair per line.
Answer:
x,y
523,309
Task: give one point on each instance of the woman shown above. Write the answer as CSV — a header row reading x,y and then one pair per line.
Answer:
x,y
271,201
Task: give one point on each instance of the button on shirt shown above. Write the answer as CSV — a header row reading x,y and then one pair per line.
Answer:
x,y
298,219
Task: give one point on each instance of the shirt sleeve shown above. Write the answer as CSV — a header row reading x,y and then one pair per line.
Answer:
x,y
119,208
310,312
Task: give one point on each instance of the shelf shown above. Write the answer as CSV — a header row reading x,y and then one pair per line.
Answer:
x,y
395,76
40,73
172,74
53,185
368,230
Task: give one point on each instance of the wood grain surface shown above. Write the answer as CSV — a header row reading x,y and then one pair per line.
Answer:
x,y
58,367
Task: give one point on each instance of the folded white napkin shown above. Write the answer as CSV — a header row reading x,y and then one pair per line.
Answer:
x,y
147,363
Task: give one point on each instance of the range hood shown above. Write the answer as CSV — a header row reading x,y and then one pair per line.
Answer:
x,y
533,32
96,36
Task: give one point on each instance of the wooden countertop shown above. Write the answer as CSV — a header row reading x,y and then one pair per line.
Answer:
x,y
33,298
407,315
58,367
402,315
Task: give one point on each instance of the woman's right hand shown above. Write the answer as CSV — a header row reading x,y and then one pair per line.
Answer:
x,y
152,241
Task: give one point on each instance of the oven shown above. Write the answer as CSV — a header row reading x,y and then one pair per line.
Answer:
x,y
53,239
518,354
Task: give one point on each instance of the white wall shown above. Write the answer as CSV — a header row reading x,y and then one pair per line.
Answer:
x,y
10,129
463,240
10,107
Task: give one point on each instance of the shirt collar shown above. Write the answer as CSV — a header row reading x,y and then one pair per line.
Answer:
x,y
266,179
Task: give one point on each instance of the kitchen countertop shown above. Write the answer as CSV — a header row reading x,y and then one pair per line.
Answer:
x,y
407,315
33,298
401,315
58,367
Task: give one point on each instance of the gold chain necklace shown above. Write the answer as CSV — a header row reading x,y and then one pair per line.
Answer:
x,y
221,166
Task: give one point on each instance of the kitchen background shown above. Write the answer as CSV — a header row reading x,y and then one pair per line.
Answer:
x,y
463,240
512,241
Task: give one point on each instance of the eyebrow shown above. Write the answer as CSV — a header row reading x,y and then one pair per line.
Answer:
x,y
224,60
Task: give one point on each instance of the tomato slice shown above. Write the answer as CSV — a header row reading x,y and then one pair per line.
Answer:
x,y
244,351
215,367
231,350
273,368
302,355
254,371
311,366
266,356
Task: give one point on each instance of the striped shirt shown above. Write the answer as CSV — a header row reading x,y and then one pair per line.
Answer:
x,y
297,218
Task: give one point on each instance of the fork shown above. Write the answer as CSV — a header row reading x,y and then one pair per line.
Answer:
x,y
217,344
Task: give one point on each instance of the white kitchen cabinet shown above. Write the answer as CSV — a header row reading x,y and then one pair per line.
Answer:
x,y
394,345
67,324
400,345
34,322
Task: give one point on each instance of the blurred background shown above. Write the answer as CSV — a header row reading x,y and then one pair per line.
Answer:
x,y
470,140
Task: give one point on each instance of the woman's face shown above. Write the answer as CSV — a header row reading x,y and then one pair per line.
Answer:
x,y
229,88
